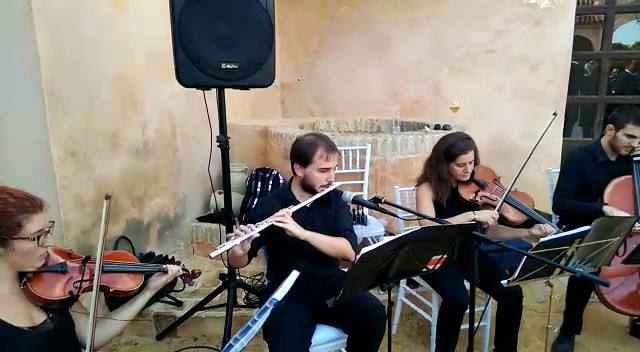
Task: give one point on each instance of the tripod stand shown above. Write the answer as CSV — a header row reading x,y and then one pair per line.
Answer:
x,y
230,282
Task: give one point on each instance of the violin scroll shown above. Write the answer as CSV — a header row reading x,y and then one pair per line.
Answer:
x,y
188,277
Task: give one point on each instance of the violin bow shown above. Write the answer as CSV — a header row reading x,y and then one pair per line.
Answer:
x,y
504,196
104,223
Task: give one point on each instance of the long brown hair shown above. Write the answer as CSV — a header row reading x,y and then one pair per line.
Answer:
x,y
435,171
16,207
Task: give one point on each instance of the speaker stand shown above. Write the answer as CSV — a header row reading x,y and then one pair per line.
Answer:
x,y
230,282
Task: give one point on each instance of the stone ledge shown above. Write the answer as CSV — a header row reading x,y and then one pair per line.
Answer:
x,y
203,232
413,138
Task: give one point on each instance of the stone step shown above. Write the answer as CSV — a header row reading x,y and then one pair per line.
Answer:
x,y
204,323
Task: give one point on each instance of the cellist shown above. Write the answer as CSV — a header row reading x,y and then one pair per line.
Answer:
x,y
25,232
584,175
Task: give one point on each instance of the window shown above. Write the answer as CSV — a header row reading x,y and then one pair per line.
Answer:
x,y
605,67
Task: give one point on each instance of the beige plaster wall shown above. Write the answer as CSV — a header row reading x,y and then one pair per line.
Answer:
x,y
119,121
505,61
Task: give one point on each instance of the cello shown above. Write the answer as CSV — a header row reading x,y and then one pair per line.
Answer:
x,y
623,295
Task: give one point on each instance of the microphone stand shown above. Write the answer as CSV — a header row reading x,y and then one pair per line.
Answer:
x,y
479,236
381,200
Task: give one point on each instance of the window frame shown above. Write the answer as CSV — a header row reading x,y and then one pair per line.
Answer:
x,y
605,55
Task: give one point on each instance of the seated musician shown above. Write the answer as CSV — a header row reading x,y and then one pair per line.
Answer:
x,y
450,163
311,240
584,175
25,233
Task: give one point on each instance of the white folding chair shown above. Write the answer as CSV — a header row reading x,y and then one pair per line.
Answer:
x,y
325,338
424,294
353,170
552,178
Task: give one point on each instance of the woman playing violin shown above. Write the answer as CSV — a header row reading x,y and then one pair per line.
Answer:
x,y
25,234
451,163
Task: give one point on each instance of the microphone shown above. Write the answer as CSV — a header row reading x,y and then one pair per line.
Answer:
x,y
356,199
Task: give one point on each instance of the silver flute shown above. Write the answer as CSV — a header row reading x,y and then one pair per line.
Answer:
x,y
267,222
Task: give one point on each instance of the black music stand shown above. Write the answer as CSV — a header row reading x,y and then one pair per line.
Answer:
x,y
603,241
558,248
584,250
477,237
633,258
401,257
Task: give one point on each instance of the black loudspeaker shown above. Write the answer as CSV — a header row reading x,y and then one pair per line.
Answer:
x,y
223,43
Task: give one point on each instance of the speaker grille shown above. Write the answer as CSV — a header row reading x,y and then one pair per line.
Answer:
x,y
226,39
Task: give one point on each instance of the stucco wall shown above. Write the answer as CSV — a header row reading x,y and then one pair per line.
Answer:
x,y
119,122
505,61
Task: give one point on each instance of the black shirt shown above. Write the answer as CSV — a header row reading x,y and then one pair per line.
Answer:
x,y
56,334
454,205
584,175
320,275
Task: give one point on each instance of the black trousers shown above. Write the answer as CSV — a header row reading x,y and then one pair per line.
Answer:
x,y
448,282
292,323
578,294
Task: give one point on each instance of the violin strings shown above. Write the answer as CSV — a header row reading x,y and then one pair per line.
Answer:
x,y
519,205
115,265
115,262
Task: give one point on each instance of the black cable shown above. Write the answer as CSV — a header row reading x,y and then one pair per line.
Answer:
x,y
258,282
123,237
206,107
184,285
213,191
201,347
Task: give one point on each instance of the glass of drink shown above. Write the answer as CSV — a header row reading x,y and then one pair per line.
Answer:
x,y
454,106
395,122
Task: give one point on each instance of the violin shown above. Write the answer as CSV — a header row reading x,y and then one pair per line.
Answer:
x,y
485,189
623,295
65,275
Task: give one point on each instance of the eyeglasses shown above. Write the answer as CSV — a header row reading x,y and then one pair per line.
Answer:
x,y
39,236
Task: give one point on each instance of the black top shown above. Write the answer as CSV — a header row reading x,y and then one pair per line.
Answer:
x,y
56,334
320,275
584,175
454,205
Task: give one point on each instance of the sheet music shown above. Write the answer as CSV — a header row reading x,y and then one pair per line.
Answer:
x,y
552,247
240,340
386,240
566,233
